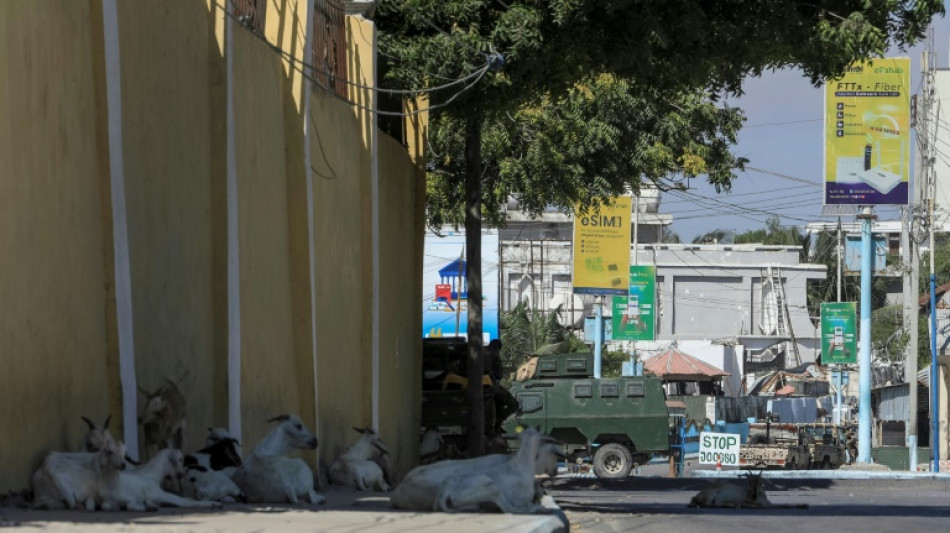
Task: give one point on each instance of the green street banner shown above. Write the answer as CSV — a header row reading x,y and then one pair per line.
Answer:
x,y
634,316
839,333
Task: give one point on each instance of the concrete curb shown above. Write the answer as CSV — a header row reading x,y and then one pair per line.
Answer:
x,y
829,474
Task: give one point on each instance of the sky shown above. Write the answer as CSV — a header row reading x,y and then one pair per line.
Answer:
x,y
782,139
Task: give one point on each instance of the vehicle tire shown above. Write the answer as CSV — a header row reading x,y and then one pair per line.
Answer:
x,y
791,465
826,464
612,461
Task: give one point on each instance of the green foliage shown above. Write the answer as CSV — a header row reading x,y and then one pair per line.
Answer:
x,y
888,338
773,234
597,140
596,96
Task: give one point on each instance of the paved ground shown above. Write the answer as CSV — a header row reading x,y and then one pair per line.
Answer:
x,y
345,511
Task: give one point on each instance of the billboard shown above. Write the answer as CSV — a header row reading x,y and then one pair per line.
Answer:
x,y
601,248
867,134
444,286
633,316
839,333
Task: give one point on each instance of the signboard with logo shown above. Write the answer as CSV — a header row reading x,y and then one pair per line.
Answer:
x,y
633,316
718,448
839,339
602,248
867,134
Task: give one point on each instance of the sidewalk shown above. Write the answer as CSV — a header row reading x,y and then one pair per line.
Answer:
x,y
345,511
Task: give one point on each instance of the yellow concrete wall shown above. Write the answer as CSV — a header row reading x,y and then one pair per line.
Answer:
x,y
267,359
58,339
400,282
173,167
342,323
54,330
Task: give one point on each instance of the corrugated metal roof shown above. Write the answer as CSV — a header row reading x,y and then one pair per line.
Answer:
x,y
675,364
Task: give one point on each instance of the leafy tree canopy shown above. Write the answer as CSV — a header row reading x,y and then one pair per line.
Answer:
x,y
599,139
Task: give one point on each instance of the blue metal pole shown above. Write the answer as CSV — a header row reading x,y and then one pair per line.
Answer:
x,y
934,392
864,405
598,339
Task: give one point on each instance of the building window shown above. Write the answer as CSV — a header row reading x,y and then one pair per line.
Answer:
x,y
251,13
329,46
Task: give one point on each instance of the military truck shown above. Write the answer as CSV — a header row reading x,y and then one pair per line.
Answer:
x,y
827,444
445,406
788,456
620,422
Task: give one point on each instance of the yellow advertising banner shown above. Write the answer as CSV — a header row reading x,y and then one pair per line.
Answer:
x,y
602,248
867,134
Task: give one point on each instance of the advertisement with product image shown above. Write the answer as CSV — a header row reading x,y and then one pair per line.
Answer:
x,y
633,316
839,333
867,134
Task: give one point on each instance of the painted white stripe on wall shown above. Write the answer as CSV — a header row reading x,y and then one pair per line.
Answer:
x,y
234,266
374,170
311,234
120,233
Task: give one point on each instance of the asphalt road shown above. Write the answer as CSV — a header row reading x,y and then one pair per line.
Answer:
x,y
658,504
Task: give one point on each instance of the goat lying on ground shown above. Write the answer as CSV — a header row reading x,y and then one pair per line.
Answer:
x,y
500,482
163,417
356,468
750,496
220,452
141,490
97,436
267,476
71,479
213,485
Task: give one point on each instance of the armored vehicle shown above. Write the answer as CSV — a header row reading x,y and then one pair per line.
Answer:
x,y
620,421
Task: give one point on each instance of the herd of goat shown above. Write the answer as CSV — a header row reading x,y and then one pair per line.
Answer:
x,y
101,475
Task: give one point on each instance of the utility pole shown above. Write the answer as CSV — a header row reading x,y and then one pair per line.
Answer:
x,y
928,140
837,417
910,295
864,344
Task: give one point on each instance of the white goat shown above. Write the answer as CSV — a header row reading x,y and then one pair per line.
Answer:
x,y
503,482
163,417
71,479
357,467
97,436
267,476
141,490
213,485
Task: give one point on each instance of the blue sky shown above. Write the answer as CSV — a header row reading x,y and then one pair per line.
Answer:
x,y
782,138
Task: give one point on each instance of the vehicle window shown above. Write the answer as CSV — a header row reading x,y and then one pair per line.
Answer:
x,y
530,402
635,389
609,389
583,390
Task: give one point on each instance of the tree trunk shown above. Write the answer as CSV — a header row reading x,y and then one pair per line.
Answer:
x,y
473,246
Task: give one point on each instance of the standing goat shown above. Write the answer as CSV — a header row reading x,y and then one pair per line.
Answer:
x,y
267,476
97,436
71,479
502,482
357,467
163,417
